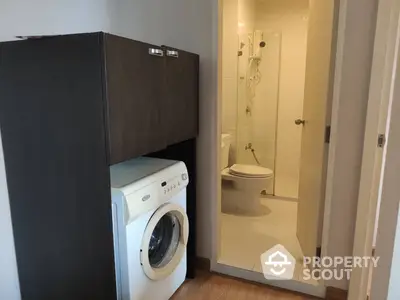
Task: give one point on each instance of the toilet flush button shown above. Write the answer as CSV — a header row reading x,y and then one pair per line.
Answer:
x,y
184,176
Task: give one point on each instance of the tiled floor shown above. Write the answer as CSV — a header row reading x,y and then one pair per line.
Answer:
x,y
245,238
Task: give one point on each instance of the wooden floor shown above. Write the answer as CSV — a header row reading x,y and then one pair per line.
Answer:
x,y
216,287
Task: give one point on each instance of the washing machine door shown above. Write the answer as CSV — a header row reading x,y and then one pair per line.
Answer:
x,y
164,241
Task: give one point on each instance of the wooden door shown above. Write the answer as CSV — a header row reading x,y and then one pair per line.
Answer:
x,y
313,148
134,74
181,95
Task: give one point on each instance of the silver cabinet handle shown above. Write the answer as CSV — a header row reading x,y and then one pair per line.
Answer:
x,y
156,52
173,53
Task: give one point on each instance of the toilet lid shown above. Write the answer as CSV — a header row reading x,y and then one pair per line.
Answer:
x,y
250,171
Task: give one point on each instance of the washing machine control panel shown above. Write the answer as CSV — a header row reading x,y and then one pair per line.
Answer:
x,y
152,191
175,184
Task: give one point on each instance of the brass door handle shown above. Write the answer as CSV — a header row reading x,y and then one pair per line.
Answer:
x,y
299,122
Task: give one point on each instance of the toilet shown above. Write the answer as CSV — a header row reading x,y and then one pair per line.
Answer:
x,y
242,184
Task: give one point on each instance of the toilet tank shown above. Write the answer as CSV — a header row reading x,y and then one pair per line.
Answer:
x,y
226,140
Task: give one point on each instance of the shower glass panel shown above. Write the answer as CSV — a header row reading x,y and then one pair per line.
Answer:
x,y
258,93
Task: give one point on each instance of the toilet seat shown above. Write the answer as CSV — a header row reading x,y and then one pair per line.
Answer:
x,y
250,171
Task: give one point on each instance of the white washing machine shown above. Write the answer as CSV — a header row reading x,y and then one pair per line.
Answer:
x,y
150,227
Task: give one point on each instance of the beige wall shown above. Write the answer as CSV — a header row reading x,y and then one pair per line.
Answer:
x,y
288,17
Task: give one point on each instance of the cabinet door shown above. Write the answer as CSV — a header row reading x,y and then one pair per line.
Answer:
x,y
134,81
182,94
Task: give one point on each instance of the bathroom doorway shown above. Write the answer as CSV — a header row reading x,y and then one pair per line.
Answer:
x,y
276,86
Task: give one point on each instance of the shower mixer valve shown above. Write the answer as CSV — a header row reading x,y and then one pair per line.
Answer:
x,y
249,146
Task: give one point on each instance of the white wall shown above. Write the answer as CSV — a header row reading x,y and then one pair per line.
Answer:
x,y
288,17
43,17
238,17
9,283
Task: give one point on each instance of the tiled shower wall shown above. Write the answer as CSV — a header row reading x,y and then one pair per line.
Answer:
x,y
229,71
238,18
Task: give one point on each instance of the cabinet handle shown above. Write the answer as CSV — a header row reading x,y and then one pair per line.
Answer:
x,y
156,52
173,53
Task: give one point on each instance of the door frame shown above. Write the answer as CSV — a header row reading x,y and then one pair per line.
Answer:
x,y
380,100
385,277
344,33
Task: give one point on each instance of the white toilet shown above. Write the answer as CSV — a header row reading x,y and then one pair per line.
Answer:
x,y
242,184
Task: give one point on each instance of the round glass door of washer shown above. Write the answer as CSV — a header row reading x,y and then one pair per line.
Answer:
x,y
164,241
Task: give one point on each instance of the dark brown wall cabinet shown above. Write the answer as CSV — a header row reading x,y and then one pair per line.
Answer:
x,y
152,96
180,114
70,106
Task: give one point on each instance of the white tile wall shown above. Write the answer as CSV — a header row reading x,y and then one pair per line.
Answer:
x,y
260,128
229,71
246,15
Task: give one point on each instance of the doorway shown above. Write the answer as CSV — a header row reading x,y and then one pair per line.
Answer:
x,y
276,103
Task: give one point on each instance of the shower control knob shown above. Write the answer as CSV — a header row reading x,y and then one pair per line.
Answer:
x,y
299,122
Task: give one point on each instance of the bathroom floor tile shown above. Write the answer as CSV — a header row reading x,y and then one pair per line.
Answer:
x,y
245,238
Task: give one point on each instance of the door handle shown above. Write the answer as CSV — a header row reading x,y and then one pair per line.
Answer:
x,y
156,52
299,122
173,53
